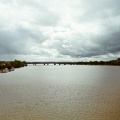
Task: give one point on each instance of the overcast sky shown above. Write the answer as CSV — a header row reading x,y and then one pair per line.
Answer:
x,y
59,30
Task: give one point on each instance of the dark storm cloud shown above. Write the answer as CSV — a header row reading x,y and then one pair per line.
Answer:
x,y
30,34
19,40
110,42
92,45
6,43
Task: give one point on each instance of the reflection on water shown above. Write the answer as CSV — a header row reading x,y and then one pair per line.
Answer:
x,y
61,93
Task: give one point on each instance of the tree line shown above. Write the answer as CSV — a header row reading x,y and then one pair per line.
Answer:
x,y
113,62
12,64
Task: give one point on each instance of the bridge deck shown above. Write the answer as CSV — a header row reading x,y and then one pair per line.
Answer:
x,y
55,63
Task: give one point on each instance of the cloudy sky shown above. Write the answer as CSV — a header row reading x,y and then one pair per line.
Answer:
x,y
59,30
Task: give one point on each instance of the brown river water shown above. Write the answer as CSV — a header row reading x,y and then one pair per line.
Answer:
x,y
60,93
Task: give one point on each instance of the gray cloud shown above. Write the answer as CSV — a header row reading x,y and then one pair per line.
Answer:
x,y
51,30
20,40
99,10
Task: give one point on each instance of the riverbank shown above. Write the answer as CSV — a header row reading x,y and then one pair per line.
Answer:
x,y
10,66
7,70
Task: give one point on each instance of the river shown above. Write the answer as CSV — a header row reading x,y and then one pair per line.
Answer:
x,y
60,93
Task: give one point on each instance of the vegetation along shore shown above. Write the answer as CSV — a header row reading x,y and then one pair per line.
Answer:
x,y
10,66
6,66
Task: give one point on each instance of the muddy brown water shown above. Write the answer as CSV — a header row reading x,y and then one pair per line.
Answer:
x,y
60,93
